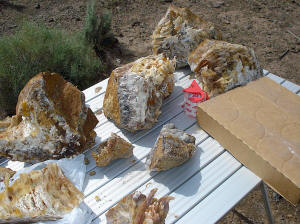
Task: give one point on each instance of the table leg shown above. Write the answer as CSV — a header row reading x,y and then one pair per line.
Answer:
x,y
266,202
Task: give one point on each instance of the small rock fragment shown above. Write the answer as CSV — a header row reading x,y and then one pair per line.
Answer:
x,y
86,161
114,148
92,173
97,90
99,112
172,148
216,4
133,161
136,23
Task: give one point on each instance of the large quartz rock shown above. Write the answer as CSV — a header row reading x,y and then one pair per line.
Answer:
x,y
136,208
221,66
40,195
179,32
51,121
173,147
135,92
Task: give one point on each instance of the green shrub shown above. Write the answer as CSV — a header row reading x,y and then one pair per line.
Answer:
x,y
97,31
34,49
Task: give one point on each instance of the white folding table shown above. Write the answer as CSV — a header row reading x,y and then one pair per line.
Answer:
x,y
205,188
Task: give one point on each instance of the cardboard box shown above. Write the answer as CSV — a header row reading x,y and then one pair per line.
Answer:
x,y
260,125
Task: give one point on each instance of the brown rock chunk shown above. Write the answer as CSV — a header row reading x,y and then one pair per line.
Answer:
x,y
114,148
40,195
135,92
136,208
52,121
172,148
221,66
6,173
179,32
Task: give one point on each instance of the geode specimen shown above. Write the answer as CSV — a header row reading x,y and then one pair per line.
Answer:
x,y
221,66
114,148
51,121
136,208
173,147
135,92
179,32
40,195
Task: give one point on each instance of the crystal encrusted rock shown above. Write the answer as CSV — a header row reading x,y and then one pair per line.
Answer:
x,y
51,121
173,147
179,32
113,148
136,208
135,92
221,66
40,195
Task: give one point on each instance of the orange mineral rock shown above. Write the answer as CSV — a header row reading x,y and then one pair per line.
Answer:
x,y
51,121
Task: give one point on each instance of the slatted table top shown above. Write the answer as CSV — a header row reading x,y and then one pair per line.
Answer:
x,y
205,188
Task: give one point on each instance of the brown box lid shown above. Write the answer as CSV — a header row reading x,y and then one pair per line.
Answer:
x,y
260,125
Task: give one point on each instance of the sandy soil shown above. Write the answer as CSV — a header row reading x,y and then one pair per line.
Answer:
x,y
262,25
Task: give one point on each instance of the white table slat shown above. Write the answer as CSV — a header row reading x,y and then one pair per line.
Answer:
x,y
228,195
181,73
201,185
265,72
275,78
291,86
14,165
91,92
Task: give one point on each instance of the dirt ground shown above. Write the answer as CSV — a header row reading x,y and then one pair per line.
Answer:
x,y
266,26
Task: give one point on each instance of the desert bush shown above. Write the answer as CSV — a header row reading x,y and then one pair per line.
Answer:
x,y
97,30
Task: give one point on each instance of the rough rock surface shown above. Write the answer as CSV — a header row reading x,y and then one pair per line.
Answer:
x,y
135,92
136,208
173,147
39,196
6,173
114,148
221,66
51,121
179,32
